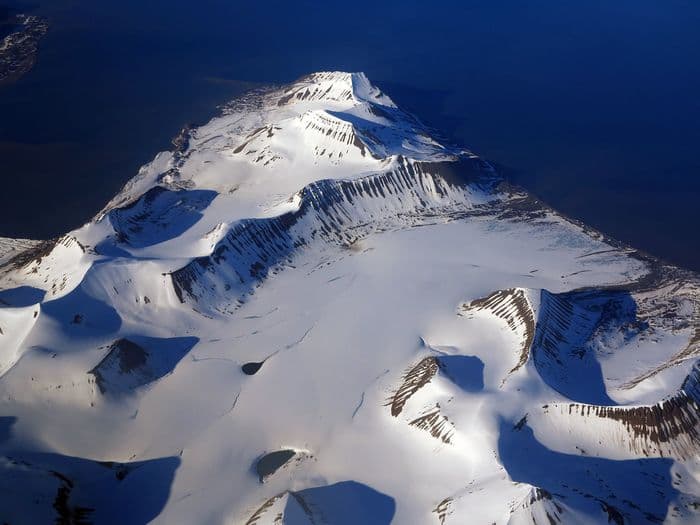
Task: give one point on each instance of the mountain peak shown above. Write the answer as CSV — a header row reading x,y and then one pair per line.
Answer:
x,y
313,311
335,86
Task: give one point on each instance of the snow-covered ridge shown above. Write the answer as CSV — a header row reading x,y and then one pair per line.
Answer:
x,y
326,125
669,428
334,86
516,307
339,212
314,309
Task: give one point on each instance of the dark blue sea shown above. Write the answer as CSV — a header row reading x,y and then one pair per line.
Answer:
x,y
592,105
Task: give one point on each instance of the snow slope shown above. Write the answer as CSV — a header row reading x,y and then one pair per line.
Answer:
x,y
315,310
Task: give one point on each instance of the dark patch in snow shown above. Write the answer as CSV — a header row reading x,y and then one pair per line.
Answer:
x,y
268,464
129,364
251,368
415,379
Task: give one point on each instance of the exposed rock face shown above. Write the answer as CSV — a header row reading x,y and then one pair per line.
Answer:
x,y
427,418
267,465
669,304
43,265
436,424
124,358
539,507
573,330
566,326
670,427
333,86
129,365
416,378
463,372
330,212
514,308
11,247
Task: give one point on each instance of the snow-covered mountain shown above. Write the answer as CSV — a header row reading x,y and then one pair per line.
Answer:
x,y
314,310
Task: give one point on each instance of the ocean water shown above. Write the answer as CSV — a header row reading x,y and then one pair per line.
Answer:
x,y
592,105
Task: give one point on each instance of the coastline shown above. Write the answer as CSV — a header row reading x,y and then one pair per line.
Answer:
x,y
20,48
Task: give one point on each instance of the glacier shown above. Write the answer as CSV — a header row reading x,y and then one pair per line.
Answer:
x,y
316,309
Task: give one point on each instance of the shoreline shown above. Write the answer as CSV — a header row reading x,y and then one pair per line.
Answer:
x,y
20,48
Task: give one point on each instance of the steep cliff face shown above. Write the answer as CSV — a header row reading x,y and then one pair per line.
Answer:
x,y
514,306
669,428
316,310
339,213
